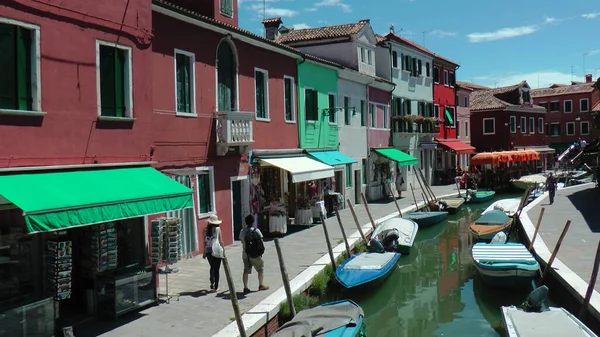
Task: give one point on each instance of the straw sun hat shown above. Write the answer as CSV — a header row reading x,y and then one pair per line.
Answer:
x,y
214,220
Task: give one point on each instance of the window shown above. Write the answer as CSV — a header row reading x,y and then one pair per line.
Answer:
x,y
489,126
555,129
347,114
226,78
419,68
523,125
427,69
526,97
584,128
513,124
289,98
436,110
414,68
583,105
568,106
396,106
407,63
363,115
311,105
544,104
555,106
531,124
261,91
402,61
457,129
19,67
373,115
540,125
466,102
420,108
363,171
395,59
570,129
332,110
348,175
227,7
436,75
451,119
452,80
185,92
385,117
206,191
114,71
446,78
370,57
429,109
466,129
407,107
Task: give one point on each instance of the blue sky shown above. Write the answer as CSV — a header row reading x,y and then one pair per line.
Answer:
x,y
496,42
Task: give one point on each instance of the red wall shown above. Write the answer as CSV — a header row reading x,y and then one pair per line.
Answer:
x,y
209,8
503,139
70,133
445,96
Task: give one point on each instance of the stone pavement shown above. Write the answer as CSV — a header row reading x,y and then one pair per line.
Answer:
x,y
202,313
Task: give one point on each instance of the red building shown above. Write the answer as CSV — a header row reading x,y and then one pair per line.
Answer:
x,y
214,97
568,116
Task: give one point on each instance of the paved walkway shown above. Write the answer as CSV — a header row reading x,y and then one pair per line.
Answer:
x,y
578,249
201,313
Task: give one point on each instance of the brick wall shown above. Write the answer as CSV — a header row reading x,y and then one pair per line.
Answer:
x,y
268,329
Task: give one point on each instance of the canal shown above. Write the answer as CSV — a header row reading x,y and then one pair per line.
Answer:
x,y
435,290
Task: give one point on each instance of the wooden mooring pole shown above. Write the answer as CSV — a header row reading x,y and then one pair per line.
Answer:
x,y
233,296
555,251
337,215
395,201
364,200
285,279
591,285
414,198
362,235
329,249
537,227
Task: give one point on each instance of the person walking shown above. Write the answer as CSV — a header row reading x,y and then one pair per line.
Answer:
x,y
254,248
551,187
213,249
399,183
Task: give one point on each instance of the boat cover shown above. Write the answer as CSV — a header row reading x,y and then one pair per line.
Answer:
x,y
508,206
369,261
318,321
554,322
502,253
493,217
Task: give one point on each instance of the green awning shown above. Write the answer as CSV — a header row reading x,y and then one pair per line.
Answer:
x,y
332,158
59,200
398,156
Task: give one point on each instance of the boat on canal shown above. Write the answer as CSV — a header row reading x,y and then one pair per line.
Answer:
x,y
425,219
490,224
395,235
505,264
366,269
452,205
529,181
477,197
508,206
334,319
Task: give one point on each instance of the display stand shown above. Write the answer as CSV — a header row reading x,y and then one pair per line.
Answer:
x,y
60,267
166,249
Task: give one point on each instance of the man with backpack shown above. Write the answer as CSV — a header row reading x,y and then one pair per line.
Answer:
x,y
254,248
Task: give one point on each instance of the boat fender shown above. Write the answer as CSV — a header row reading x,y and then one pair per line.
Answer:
x,y
442,205
375,246
535,300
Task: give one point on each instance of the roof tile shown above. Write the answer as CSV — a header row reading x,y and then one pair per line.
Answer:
x,y
471,86
563,90
322,33
489,99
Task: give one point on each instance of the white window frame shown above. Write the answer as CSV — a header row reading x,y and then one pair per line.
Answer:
x,y
128,81
523,125
436,110
192,57
550,106
386,117
581,128
266,79
588,105
544,102
450,80
211,179
567,129
541,125
559,130
306,120
467,129
493,119
369,57
446,78
565,106
36,73
512,124
363,56
293,81
466,98
458,134
453,113
335,111
225,14
373,113
532,125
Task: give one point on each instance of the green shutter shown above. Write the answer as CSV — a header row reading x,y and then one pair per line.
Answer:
x,y
204,195
8,92
184,98
24,68
259,82
225,77
288,99
348,175
347,110
332,110
364,171
315,105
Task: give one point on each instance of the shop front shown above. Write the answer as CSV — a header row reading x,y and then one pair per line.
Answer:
x,y
385,163
453,157
337,187
287,187
74,245
547,157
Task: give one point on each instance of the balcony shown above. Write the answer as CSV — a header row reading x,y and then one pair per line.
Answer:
x,y
408,131
233,129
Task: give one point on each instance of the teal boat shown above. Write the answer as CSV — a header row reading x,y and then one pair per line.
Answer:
x,y
505,265
334,319
425,219
477,197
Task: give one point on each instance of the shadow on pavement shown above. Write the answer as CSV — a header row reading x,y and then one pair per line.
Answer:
x,y
99,326
585,202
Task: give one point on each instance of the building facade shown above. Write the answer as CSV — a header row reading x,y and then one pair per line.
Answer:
x,y
463,119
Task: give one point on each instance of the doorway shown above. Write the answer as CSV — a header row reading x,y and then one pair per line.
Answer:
x,y
189,233
357,186
239,203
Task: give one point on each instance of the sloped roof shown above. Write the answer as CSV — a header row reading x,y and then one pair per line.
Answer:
x,y
414,45
471,86
563,90
322,33
490,100
596,107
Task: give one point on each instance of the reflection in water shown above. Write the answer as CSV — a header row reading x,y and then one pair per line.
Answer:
x,y
433,292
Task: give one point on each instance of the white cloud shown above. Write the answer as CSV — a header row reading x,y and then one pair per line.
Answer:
x,y
441,33
312,9
545,78
548,20
593,52
273,12
501,34
590,15
301,26
334,3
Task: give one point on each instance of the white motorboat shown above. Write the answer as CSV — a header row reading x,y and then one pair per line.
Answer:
x,y
508,206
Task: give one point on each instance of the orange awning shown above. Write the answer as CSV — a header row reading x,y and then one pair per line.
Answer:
x,y
485,158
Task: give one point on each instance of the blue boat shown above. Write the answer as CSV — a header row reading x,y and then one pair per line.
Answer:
x,y
505,264
334,319
365,268
477,197
425,219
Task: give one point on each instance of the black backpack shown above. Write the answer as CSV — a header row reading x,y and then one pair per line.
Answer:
x,y
254,244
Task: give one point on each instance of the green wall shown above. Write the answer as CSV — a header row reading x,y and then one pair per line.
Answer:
x,y
318,134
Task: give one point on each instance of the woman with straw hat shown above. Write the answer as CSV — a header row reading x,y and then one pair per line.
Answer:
x,y
213,249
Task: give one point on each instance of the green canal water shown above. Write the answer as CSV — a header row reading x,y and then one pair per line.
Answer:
x,y
435,291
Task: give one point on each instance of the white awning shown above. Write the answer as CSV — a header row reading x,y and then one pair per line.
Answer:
x,y
301,168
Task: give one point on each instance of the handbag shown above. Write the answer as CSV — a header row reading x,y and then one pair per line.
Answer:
x,y
217,249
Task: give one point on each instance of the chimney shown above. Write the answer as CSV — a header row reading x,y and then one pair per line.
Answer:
x,y
365,21
588,78
271,27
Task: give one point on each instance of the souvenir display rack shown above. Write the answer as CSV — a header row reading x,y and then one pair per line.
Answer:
x,y
166,248
104,247
60,268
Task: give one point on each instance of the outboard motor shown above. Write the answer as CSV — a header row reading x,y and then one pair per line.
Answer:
x,y
375,246
390,240
442,205
535,300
